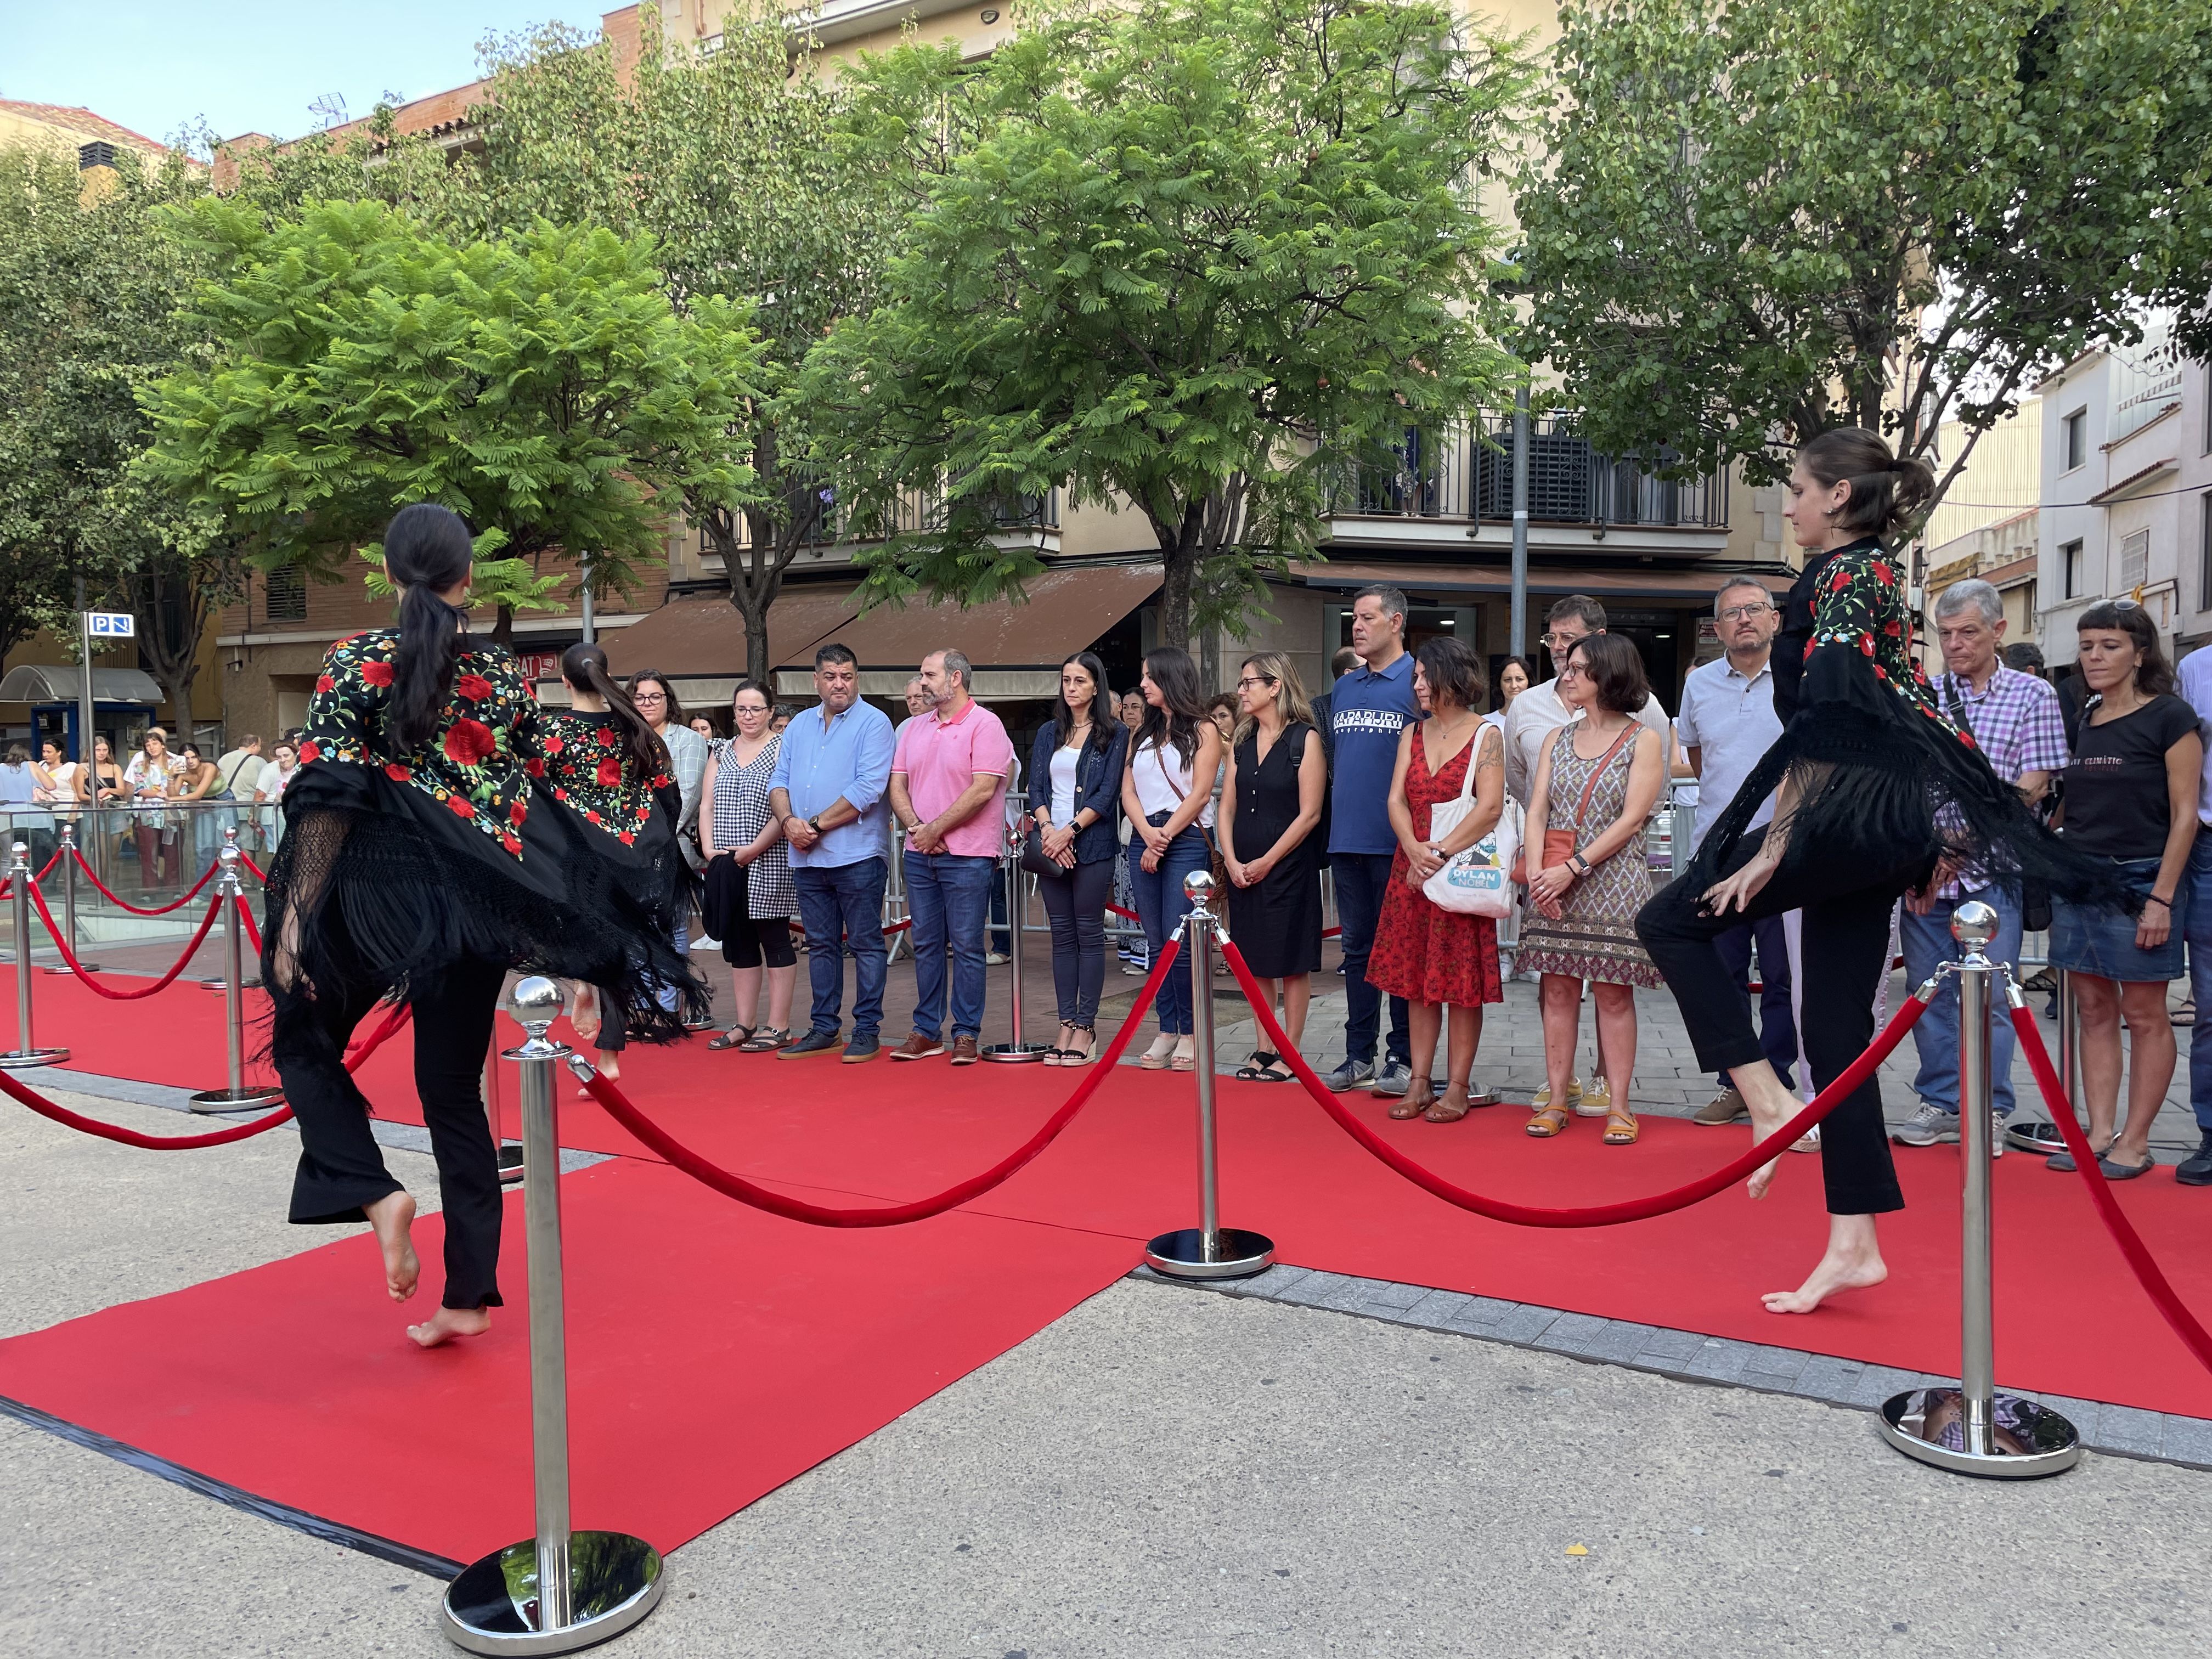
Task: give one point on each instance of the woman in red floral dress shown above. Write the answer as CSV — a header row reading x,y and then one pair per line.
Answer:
x,y
1423,953
603,762
421,862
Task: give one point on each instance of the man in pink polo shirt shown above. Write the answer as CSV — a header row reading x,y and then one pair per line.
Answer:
x,y
948,791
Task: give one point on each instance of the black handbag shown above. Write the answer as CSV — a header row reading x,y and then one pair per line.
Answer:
x,y
1037,862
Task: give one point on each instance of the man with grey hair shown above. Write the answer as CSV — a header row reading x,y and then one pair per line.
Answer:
x,y
2014,719
948,791
1727,723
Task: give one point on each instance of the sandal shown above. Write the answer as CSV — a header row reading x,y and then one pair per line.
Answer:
x,y
1622,1128
2064,1162
1087,1052
1548,1121
769,1039
1415,1101
731,1039
1257,1070
1454,1104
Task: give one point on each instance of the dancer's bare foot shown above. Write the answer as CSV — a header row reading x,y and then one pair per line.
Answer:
x,y
393,1217
1771,1108
1841,1268
447,1323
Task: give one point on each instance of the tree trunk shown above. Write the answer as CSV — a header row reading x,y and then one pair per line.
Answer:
x,y
503,628
1179,558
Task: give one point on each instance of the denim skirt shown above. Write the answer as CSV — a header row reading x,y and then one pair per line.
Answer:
x,y
2091,940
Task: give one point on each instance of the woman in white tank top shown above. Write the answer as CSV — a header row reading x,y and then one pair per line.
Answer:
x,y
1170,813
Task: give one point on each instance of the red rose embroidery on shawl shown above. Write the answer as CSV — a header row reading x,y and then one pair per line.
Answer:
x,y
1884,574
516,813
376,674
535,766
554,745
627,838
460,805
474,687
1866,645
1839,582
509,843
606,736
609,773
310,750
591,818
324,683
398,773
469,742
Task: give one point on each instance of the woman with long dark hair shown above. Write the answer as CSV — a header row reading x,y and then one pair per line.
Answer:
x,y
603,762
2130,801
422,861
1167,790
1075,776
1873,792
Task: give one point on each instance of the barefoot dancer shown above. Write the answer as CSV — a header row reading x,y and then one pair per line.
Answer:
x,y
605,763
1874,788
418,864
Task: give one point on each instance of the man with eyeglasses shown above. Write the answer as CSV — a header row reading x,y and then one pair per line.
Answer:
x,y
1727,723
1536,714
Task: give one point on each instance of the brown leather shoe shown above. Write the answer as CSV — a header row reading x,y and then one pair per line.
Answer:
x,y
919,1046
964,1051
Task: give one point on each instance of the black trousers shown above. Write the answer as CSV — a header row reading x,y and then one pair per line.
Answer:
x,y
1846,947
1077,905
341,1167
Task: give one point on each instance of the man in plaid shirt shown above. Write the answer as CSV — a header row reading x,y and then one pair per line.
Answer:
x,y
2016,722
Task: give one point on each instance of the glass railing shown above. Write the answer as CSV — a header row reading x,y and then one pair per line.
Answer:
x,y
145,858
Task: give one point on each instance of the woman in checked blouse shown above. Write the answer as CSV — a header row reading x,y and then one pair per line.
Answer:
x,y
422,860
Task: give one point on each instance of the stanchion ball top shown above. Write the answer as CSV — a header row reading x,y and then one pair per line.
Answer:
x,y
536,1003
1198,886
1974,923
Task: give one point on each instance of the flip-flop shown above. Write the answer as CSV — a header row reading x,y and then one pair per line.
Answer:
x,y
1257,1072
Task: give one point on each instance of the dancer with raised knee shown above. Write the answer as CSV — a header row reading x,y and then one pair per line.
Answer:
x,y
1875,794
422,861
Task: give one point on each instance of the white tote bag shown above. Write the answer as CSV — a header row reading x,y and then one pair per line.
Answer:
x,y
1480,881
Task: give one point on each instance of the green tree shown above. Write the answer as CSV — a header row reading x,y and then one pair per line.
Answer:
x,y
89,287
1200,259
727,160
540,385
1755,219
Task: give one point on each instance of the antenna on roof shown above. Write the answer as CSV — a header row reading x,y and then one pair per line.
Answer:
x,y
329,109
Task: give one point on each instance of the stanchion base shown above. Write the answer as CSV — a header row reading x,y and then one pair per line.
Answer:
x,y
510,1163
65,970
235,1099
1015,1053
1181,1254
2032,1440
23,1059
2043,1139
492,1607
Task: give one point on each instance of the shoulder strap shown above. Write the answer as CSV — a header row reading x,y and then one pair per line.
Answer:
x,y
1597,771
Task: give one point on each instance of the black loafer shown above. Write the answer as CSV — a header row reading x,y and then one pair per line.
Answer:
x,y
816,1042
2196,1169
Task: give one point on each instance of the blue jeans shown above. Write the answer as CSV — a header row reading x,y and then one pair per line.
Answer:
x,y
844,900
949,897
1362,878
1161,904
1777,1026
1927,941
2196,930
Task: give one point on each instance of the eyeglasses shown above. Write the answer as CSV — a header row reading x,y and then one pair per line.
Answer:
x,y
1558,642
1248,682
649,696
748,708
1744,612
1571,670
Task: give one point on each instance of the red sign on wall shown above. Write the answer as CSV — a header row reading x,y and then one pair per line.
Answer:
x,y
539,665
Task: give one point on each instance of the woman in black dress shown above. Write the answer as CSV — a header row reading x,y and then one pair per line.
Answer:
x,y
422,860
1874,794
1271,802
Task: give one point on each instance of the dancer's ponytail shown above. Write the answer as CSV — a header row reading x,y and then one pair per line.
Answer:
x,y
426,552
1887,490
585,667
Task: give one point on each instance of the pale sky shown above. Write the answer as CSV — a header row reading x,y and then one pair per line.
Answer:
x,y
250,65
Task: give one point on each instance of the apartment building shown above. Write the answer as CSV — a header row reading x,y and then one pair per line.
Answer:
x,y
2127,490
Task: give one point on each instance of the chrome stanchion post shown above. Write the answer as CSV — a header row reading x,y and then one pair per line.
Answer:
x,y
26,1054
1208,1250
235,1096
1973,1429
1015,1050
69,904
559,1590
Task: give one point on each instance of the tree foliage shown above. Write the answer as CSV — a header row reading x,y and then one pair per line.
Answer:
x,y
1755,219
1196,258
538,384
727,162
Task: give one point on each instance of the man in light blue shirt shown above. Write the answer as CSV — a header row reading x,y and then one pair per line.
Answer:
x,y
828,793
2196,1169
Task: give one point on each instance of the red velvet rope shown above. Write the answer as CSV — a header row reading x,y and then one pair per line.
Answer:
x,y
206,876
620,1108
2101,1198
1595,1215
8,887
91,1125
69,955
253,928
259,875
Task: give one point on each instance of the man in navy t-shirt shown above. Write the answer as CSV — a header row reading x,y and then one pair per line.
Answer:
x,y
1369,709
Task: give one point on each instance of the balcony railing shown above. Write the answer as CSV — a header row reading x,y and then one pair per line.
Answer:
x,y
916,511
1459,477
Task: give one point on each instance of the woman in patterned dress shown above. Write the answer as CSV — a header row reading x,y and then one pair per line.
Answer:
x,y
750,899
1423,953
421,862
1874,794
603,761
1598,781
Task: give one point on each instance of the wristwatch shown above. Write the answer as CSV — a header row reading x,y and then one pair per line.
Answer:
x,y
815,823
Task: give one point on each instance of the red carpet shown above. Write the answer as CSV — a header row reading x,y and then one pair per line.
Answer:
x,y
713,1355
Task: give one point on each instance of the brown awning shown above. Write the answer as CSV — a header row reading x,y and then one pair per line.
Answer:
x,y
1627,582
1066,609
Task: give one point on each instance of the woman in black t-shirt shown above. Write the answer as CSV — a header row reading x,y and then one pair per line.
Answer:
x,y
2131,797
